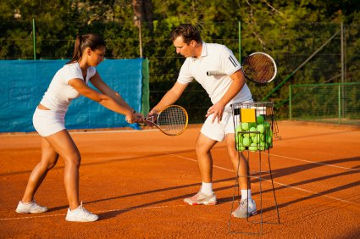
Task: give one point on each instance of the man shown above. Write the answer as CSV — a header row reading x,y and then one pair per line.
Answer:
x,y
223,90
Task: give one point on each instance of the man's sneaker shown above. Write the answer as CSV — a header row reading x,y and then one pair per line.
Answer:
x,y
80,214
201,198
247,208
30,207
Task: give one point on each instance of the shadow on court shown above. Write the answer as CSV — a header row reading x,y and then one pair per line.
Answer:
x,y
180,197
265,177
105,161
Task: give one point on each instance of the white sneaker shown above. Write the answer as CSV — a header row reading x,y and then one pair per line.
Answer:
x,y
247,208
30,207
80,214
201,198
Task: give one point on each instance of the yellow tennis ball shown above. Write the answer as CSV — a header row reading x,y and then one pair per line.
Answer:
x,y
244,126
246,141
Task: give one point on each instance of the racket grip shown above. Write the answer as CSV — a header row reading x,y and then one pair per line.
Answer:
x,y
214,73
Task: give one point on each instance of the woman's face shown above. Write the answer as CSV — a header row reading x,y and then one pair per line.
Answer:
x,y
96,56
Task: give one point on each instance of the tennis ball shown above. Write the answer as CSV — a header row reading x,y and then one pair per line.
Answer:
x,y
246,135
256,138
252,129
260,119
267,125
252,124
262,137
241,148
262,146
246,141
239,140
244,126
260,128
253,147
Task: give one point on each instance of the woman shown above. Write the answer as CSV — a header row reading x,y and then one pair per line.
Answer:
x,y
68,83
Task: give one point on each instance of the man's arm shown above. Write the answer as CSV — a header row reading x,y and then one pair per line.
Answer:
x,y
238,81
170,97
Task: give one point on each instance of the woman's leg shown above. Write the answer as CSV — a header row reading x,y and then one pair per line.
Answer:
x,y
48,160
64,145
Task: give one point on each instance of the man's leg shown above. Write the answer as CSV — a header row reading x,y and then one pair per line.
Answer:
x,y
247,205
203,152
236,158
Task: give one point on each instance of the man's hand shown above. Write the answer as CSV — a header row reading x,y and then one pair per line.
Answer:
x,y
217,111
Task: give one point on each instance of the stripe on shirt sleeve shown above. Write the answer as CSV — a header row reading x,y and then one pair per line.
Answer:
x,y
233,61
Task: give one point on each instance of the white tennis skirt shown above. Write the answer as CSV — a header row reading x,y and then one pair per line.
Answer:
x,y
48,122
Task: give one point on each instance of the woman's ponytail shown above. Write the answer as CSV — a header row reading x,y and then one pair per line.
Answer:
x,y
82,41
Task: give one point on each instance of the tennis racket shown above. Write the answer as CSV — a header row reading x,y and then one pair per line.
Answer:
x,y
258,67
172,120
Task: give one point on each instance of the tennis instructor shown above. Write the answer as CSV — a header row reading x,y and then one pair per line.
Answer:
x,y
223,90
70,82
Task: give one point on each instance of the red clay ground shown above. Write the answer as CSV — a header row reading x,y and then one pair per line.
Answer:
x,y
136,181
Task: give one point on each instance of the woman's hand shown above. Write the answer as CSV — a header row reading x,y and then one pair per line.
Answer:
x,y
139,118
134,117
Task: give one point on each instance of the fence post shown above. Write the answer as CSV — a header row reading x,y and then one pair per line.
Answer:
x,y
239,41
34,37
339,103
290,109
342,70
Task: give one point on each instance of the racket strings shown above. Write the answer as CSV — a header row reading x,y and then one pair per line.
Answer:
x,y
259,67
172,120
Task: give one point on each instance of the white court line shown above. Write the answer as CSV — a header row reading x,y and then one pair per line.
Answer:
x,y
85,132
308,161
194,160
284,185
97,212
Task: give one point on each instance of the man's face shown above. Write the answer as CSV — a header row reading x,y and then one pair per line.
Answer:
x,y
186,50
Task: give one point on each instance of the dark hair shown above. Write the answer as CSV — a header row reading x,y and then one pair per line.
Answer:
x,y
188,32
88,40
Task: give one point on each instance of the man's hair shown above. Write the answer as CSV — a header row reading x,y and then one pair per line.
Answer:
x,y
188,32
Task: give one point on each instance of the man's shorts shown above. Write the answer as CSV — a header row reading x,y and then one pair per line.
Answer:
x,y
217,130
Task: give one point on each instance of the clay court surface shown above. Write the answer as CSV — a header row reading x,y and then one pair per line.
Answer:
x,y
137,180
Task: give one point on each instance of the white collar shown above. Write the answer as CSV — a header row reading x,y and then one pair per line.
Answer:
x,y
203,51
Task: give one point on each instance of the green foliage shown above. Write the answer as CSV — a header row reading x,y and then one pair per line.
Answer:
x,y
288,30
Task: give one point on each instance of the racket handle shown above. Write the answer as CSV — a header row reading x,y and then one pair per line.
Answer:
x,y
215,73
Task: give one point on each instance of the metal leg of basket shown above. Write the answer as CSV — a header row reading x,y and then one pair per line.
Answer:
x,y
273,189
236,194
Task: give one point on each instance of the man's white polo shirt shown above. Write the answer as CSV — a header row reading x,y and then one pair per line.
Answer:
x,y
214,57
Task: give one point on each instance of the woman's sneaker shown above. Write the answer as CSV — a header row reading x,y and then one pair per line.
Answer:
x,y
80,214
201,198
246,209
30,207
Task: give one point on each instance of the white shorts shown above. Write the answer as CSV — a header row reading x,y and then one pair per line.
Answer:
x,y
217,131
48,122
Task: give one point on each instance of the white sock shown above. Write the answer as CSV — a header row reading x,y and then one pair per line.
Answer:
x,y
246,194
206,188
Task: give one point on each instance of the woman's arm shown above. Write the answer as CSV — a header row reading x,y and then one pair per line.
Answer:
x,y
102,99
105,89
